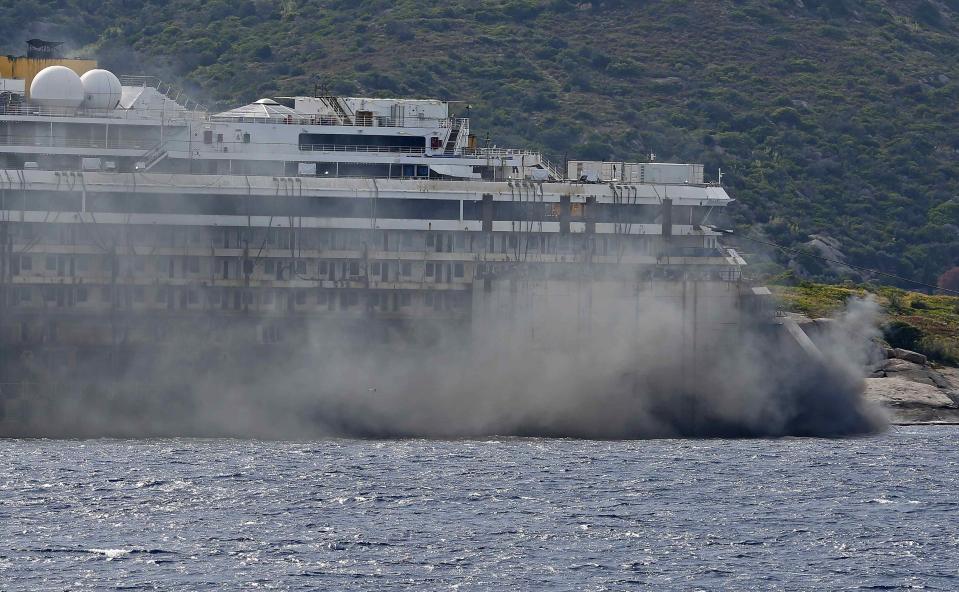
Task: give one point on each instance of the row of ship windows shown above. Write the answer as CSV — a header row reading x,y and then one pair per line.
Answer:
x,y
511,244
291,205
168,297
524,237
280,269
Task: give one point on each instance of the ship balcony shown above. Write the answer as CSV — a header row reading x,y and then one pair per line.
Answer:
x,y
74,146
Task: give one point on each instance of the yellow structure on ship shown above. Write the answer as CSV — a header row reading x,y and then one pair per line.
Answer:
x,y
40,54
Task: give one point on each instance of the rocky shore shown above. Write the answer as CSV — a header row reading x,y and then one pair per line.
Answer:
x,y
911,389
914,391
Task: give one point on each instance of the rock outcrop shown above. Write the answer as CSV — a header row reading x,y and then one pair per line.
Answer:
x,y
914,392
901,381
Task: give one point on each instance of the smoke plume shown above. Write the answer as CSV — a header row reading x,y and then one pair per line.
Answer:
x,y
632,372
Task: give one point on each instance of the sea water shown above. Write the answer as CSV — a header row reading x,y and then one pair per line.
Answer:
x,y
498,514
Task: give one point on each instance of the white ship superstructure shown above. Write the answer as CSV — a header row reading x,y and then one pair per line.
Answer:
x,y
130,213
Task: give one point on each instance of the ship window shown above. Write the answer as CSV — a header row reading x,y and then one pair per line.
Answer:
x,y
271,335
323,267
405,299
301,267
81,294
25,295
301,297
161,295
348,299
458,270
269,268
139,294
322,298
215,296
375,269
26,262
51,262
383,143
208,136
192,296
406,269
374,299
50,293
354,268
139,263
246,138
267,298
512,241
219,138
248,297
429,299
430,240
106,294
429,270
194,264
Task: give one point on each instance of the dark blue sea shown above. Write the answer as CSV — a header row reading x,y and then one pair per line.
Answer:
x,y
877,513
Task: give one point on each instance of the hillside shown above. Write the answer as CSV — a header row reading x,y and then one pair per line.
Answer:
x,y
927,324
836,117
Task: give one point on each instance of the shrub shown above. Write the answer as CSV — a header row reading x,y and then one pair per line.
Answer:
x,y
264,52
901,334
938,351
895,302
919,304
787,116
399,30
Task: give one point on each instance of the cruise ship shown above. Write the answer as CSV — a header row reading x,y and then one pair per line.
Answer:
x,y
133,219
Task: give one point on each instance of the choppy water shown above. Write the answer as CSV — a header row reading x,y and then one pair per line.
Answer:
x,y
793,514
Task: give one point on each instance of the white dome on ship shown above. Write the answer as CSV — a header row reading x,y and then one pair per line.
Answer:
x,y
101,89
58,87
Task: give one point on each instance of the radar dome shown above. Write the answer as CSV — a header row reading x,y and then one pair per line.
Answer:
x,y
57,87
101,89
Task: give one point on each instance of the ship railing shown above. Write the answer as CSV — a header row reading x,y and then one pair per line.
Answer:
x,y
169,116
501,153
532,157
334,121
551,169
168,90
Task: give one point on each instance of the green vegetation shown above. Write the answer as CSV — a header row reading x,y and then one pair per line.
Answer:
x,y
923,323
829,116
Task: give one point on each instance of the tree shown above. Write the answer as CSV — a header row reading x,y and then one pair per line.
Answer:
x,y
950,280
